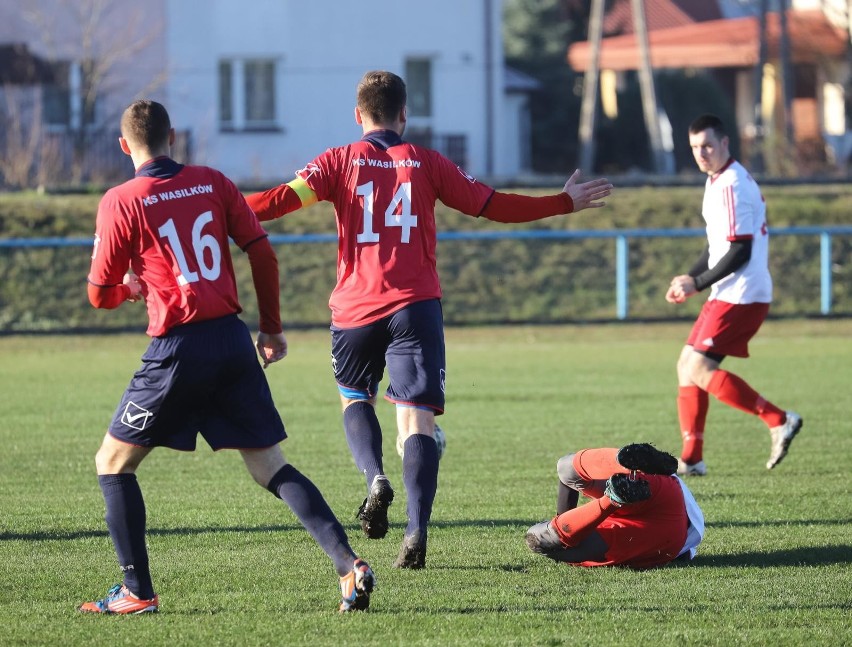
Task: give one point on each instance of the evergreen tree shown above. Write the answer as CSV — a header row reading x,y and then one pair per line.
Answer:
x,y
536,35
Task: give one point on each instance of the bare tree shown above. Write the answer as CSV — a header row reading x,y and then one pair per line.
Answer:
x,y
101,40
20,121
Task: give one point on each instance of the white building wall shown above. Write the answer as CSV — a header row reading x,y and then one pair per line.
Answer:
x,y
323,48
511,154
169,50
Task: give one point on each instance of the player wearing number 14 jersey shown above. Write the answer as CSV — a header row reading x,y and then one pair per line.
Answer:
x,y
385,308
170,226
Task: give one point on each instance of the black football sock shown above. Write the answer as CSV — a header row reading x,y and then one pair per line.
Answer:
x,y
125,519
308,504
566,498
420,475
364,435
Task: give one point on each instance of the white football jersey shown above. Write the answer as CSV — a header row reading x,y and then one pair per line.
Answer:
x,y
733,209
695,530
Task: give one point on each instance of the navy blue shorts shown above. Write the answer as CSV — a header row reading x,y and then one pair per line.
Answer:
x,y
410,342
200,378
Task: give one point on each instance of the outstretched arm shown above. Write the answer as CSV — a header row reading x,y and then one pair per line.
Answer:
x,y
514,208
587,195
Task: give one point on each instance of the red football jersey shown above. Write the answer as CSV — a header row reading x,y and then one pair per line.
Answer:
x,y
170,225
384,192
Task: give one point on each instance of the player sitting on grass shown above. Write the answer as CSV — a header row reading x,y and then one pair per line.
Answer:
x,y
641,514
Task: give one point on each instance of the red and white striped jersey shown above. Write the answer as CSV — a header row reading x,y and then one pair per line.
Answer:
x,y
734,209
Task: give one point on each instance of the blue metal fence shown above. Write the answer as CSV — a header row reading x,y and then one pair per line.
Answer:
x,y
622,239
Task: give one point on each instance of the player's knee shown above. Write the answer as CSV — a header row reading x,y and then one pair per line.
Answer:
x,y
263,464
102,462
686,361
694,370
108,461
565,471
683,367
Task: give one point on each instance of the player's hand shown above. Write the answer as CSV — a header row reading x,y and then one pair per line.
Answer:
x,y
271,348
587,195
132,281
674,296
681,288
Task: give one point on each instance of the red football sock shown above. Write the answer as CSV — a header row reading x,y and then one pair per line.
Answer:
x,y
735,392
597,464
575,525
692,405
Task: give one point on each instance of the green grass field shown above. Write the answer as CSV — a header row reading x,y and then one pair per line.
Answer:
x,y
233,567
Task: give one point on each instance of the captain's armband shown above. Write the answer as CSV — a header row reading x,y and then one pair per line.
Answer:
x,y
305,193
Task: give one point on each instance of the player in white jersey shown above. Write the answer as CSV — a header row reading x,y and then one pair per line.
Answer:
x,y
735,211
735,265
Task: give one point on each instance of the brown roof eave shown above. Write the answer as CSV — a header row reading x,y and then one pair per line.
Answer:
x,y
716,43
698,55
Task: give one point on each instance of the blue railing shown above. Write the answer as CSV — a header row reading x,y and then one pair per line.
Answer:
x,y
621,237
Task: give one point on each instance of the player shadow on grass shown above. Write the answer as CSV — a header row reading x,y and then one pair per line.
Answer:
x,y
353,528
779,522
65,535
806,556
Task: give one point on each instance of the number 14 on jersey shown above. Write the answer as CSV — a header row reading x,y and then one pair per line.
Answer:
x,y
398,213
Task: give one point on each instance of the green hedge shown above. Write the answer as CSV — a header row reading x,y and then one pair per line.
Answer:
x,y
487,281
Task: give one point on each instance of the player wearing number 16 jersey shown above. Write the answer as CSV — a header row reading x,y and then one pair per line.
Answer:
x,y
170,226
385,308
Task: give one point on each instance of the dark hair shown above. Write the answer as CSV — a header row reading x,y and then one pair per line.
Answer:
x,y
702,123
147,123
382,96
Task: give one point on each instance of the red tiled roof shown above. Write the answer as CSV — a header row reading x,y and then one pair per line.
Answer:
x,y
719,43
659,14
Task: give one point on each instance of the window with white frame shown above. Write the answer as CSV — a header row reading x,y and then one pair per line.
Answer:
x,y
247,94
68,98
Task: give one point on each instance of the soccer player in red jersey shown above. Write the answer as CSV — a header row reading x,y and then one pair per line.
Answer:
x,y
735,266
386,308
640,514
164,237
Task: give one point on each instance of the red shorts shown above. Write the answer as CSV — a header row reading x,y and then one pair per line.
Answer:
x,y
646,534
726,328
